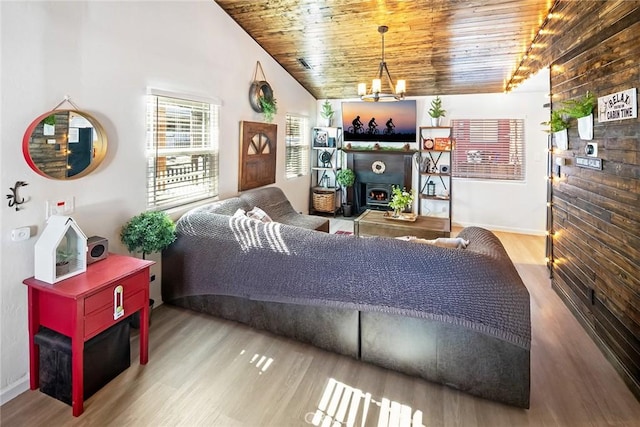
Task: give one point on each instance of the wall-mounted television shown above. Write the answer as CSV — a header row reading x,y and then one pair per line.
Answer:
x,y
379,121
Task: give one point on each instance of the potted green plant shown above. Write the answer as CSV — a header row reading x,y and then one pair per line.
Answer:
x,y
327,112
148,232
49,125
558,126
401,199
346,178
269,107
63,258
436,111
581,109
50,120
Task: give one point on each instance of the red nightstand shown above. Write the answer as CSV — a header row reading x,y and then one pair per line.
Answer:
x,y
83,306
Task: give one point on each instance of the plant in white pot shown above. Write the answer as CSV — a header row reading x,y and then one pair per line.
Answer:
x,y
558,127
327,112
346,178
582,109
436,112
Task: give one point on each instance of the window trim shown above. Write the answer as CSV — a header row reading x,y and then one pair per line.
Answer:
x,y
305,136
152,151
505,169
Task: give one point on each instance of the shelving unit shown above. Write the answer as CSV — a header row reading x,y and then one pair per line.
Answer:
x,y
326,160
434,177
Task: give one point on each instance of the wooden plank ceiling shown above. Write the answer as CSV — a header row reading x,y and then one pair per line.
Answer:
x,y
438,46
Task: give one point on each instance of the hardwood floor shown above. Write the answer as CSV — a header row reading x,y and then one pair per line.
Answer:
x,y
205,371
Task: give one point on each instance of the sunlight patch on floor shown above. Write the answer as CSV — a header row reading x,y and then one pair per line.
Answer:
x,y
342,404
261,362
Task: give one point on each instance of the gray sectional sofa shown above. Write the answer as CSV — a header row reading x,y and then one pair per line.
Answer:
x,y
459,317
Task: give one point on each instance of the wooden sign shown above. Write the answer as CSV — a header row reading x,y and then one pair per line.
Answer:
x,y
618,106
589,162
442,144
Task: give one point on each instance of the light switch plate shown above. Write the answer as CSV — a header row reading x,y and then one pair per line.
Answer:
x,y
64,206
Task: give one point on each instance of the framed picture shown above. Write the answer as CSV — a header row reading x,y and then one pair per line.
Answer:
x,y
321,138
443,144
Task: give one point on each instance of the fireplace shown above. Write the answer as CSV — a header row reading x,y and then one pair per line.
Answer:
x,y
377,171
378,195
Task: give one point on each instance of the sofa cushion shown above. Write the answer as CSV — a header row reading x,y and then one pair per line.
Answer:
x,y
224,207
274,202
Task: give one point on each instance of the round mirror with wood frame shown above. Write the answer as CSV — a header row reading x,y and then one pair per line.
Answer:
x,y
64,144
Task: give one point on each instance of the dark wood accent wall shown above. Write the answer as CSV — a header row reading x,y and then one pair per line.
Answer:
x,y
596,213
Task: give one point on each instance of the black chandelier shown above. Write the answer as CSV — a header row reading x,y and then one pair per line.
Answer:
x,y
397,91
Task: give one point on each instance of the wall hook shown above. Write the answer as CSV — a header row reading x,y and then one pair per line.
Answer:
x,y
14,200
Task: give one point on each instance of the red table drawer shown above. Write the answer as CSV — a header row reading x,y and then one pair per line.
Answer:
x,y
102,319
104,298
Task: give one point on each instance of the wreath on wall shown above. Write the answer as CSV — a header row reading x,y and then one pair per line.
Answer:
x,y
259,89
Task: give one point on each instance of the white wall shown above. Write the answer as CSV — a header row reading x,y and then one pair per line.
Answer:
x,y
104,55
518,207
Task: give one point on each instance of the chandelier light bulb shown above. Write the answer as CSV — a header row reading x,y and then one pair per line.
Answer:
x,y
376,86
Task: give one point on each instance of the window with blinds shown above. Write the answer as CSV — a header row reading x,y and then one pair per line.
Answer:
x,y
182,150
489,149
297,146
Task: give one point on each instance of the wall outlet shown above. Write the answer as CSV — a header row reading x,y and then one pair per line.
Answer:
x,y
64,206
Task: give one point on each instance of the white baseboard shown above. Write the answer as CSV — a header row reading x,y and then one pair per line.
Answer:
x,y
14,390
505,229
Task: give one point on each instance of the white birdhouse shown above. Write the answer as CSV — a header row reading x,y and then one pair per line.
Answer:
x,y
61,251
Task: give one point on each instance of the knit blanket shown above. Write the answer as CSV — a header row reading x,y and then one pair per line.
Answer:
x,y
477,287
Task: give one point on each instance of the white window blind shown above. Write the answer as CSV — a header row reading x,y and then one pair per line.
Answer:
x,y
297,145
489,149
182,151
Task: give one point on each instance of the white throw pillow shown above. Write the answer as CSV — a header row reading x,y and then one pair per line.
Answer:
x,y
259,214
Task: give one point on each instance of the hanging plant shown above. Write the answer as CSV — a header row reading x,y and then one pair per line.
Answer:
x,y
580,107
557,122
50,120
259,89
269,107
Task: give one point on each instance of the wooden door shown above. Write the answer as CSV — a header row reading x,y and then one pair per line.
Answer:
x,y
257,155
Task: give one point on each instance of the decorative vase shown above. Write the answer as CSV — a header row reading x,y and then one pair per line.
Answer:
x,y
397,212
585,127
562,139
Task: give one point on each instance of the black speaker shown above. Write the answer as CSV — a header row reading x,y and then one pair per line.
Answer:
x,y
97,249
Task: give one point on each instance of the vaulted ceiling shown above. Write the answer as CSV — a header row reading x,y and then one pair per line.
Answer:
x,y
439,47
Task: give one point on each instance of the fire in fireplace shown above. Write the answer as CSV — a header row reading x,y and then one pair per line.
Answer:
x,y
378,195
